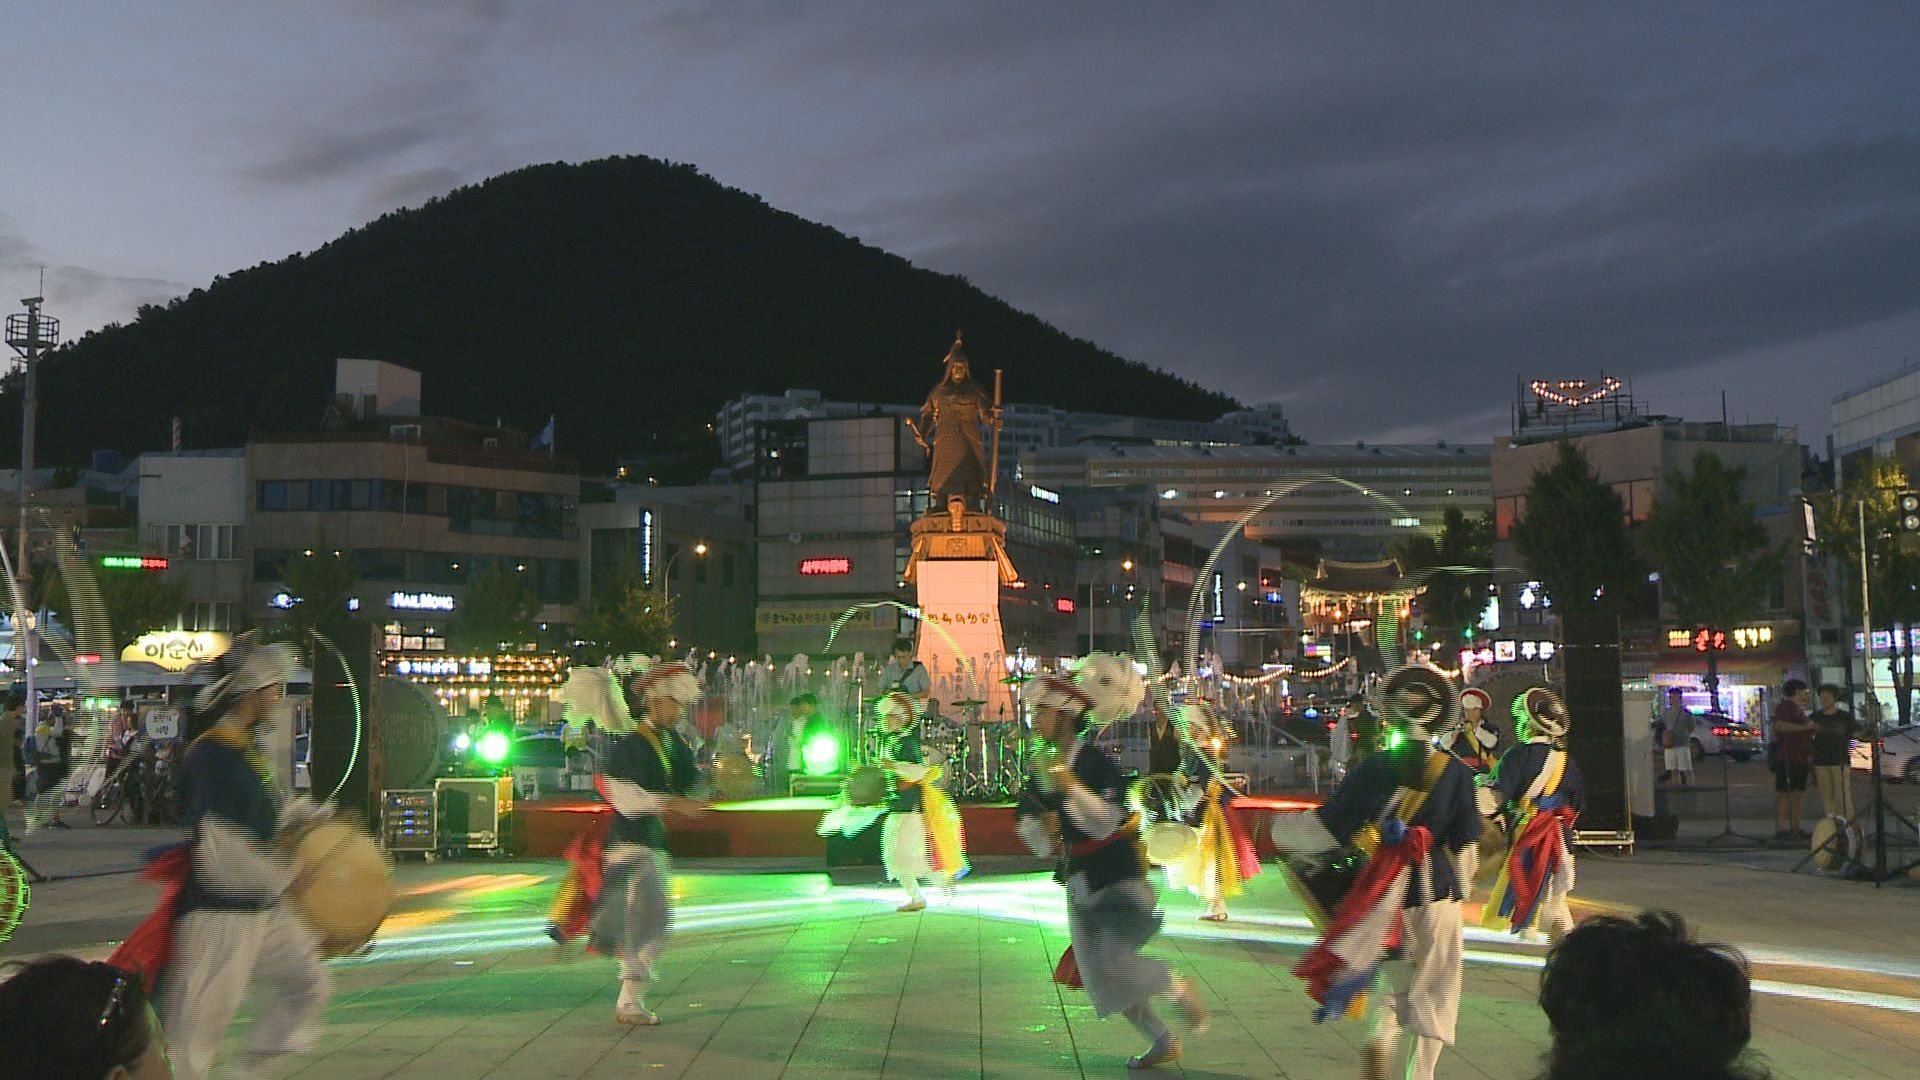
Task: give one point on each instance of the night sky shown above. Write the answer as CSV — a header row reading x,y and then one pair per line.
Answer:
x,y
1380,215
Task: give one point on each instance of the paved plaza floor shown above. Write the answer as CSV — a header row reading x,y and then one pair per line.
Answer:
x,y
782,974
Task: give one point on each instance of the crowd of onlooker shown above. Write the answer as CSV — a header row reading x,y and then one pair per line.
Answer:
x,y
1633,997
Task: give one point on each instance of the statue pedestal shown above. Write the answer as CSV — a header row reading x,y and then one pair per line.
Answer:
x,y
957,567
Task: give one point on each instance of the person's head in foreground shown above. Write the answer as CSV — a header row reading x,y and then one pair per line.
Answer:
x,y
1641,998
62,1018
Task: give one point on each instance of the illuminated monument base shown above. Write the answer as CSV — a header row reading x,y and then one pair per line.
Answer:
x,y
958,565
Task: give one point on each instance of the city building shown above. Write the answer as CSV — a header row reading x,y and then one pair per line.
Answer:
x,y
1881,419
422,505
1377,495
193,513
1634,452
737,426
694,545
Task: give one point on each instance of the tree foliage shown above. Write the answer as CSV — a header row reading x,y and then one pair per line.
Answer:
x,y
1452,599
136,602
1715,564
1893,578
320,582
616,273
499,609
623,615
1574,538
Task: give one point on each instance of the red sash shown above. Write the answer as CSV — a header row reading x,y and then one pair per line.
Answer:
x,y
149,949
1535,857
1321,967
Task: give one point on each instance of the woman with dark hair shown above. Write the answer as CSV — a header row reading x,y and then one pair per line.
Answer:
x,y
62,1018
1640,997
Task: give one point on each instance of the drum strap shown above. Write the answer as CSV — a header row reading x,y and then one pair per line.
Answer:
x,y
1413,799
653,740
1552,771
1126,830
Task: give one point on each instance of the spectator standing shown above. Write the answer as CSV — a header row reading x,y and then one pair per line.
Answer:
x,y
13,777
1833,732
1792,760
1677,740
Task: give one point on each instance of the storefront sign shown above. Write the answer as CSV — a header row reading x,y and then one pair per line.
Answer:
x,y
420,601
1883,640
883,617
1043,494
826,565
175,650
1705,639
1063,604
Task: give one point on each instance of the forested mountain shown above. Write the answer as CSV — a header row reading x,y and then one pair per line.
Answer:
x,y
629,297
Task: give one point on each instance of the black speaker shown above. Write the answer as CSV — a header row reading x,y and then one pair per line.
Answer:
x,y
345,746
855,860
1590,657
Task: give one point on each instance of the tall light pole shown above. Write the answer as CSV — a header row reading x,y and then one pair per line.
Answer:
x,y
1126,565
666,578
30,335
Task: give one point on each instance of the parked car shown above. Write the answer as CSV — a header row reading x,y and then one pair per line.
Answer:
x,y
1714,734
1899,754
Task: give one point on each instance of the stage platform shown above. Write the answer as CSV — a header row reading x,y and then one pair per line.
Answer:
x,y
784,828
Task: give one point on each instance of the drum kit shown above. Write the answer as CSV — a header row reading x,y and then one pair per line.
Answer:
x,y
985,761
735,777
343,884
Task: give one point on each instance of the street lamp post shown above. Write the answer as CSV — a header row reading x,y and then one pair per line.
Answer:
x,y
1126,566
666,578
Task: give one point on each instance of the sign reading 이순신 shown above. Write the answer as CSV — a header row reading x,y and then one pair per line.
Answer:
x,y
175,650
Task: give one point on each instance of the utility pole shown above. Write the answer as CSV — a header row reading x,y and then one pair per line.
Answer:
x,y
30,335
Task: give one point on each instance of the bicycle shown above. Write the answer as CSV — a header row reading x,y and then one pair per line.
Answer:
x,y
110,801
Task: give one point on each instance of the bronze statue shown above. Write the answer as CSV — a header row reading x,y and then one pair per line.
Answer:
x,y
956,411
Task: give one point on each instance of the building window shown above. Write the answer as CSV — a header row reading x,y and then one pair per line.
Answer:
x,y
271,495
214,615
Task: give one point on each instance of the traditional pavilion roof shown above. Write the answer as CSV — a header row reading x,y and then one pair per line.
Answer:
x,y
1357,578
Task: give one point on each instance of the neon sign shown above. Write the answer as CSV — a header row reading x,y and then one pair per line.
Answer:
x,y
826,565
420,601
1043,494
1064,605
133,562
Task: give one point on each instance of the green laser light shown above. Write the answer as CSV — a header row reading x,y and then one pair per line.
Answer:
x,y
820,755
493,747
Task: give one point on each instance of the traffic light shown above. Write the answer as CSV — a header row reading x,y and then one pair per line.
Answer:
x,y
1910,511
1467,634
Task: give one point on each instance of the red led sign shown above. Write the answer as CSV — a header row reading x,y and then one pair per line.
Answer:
x,y
825,565
1063,604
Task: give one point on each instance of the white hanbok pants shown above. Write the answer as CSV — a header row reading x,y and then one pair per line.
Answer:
x,y
216,955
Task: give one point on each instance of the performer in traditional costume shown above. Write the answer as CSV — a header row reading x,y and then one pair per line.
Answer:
x,y
1224,857
1471,740
1411,810
222,923
921,836
618,894
1538,791
1074,806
